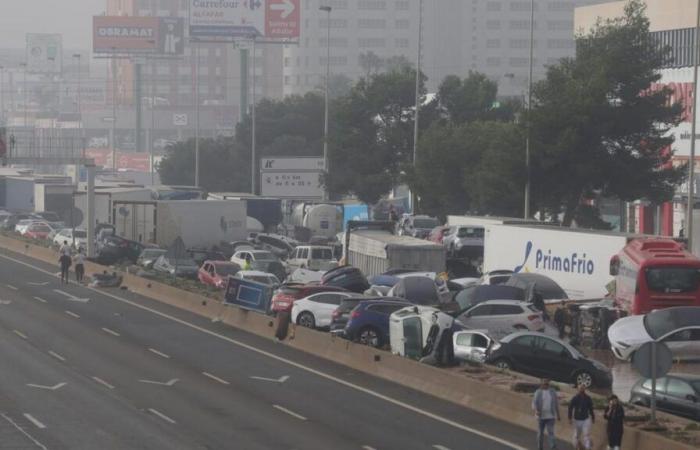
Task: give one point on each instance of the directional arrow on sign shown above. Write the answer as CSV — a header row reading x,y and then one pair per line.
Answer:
x,y
287,7
72,297
280,380
49,388
169,383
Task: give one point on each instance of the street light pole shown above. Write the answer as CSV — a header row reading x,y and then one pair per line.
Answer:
x,y
328,10
252,114
417,107
114,112
79,106
2,94
196,129
528,138
691,159
24,91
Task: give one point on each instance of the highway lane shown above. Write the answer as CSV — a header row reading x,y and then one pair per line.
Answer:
x,y
187,382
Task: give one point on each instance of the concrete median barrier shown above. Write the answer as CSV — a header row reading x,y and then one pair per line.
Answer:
x,y
490,398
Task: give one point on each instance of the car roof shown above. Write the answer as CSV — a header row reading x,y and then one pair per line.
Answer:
x,y
503,302
518,334
381,301
254,273
684,376
216,262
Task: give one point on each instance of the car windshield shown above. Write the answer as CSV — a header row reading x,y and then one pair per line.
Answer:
x,y
264,256
80,234
226,269
672,279
321,253
425,223
471,233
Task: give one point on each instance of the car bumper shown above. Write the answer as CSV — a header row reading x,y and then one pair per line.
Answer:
x,y
621,353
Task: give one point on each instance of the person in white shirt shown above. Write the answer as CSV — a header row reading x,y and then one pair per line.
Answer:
x,y
79,265
546,406
65,249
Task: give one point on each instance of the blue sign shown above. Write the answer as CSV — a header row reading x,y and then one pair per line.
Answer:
x,y
248,294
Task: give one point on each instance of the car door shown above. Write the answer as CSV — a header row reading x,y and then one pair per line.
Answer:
x,y
412,337
471,345
521,352
203,274
502,318
684,344
553,360
680,397
477,317
380,314
327,302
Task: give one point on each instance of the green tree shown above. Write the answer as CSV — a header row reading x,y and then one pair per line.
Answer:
x,y
597,125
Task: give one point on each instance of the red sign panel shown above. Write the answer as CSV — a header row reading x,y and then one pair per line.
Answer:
x,y
282,19
114,34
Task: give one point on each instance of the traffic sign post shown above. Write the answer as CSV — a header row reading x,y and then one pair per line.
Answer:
x,y
653,360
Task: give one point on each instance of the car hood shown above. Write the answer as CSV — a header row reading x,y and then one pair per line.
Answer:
x,y
629,330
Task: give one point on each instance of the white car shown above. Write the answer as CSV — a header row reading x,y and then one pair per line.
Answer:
x,y
66,234
23,224
241,256
316,311
678,328
503,317
258,277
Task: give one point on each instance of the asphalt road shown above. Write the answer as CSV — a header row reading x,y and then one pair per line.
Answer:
x,y
88,369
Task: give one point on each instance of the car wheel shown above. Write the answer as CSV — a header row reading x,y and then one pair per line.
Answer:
x,y
369,336
583,378
306,319
503,364
640,401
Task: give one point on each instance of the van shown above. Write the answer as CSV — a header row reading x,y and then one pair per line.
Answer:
x,y
313,257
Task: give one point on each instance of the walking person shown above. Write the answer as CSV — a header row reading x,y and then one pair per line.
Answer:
x,y
65,249
560,319
546,406
79,266
65,261
581,411
615,415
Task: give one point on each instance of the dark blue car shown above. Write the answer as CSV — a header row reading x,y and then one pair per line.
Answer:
x,y
369,321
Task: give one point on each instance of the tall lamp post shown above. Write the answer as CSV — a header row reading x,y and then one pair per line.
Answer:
x,y
417,112
328,10
24,92
79,106
691,159
2,94
196,129
528,138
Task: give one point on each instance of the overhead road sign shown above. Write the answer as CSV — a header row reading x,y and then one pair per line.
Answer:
x,y
271,19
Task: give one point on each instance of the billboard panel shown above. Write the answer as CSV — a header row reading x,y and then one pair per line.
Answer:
x,y
245,19
122,34
44,53
291,177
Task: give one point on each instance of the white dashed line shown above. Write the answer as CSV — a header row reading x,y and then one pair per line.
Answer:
x,y
21,430
33,420
152,350
72,314
161,415
12,287
56,355
440,447
20,334
291,413
113,333
40,299
367,447
103,382
215,378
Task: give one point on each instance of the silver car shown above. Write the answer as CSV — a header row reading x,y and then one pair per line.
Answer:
x,y
464,240
502,317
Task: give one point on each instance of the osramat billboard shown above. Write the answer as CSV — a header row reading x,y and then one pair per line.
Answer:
x,y
126,34
272,19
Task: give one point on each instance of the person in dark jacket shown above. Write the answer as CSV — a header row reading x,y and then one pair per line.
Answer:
x,y
615,415
560,316
581,411
65,262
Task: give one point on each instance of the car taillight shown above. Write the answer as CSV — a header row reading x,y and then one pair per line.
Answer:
x,y
355,314
335,314
534,317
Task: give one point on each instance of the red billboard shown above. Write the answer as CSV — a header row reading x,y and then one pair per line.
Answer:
x,y
282,19
125,34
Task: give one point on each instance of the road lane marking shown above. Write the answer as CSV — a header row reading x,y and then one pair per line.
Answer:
x,y
12,287
56,355
72,314
48,388
33,420
22,430
40,299
112,332
103,382
33,283
20,334
153,350
291,413
295,364
162,416
167,383
5,302
71,297
440,447
367,447
279,380
215,378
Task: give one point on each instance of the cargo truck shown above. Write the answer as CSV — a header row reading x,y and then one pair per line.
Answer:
x,y
374,249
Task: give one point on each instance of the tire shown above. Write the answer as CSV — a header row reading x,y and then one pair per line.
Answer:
x,y
369,336
503,364
640,402
306,319
583,377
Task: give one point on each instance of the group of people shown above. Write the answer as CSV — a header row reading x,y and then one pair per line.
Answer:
x,y
545,403
66,260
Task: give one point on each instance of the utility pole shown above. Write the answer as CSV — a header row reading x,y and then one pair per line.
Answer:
x,y
253,142
26,97
196,129
151,135
114,111
2,94
79,107
326,166
417,107
528,138
691,160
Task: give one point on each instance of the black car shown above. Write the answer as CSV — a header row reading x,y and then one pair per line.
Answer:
x,y
115,249
341,315
542,356
346,277
676,393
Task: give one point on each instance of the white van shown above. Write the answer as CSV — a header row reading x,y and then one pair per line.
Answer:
x,y
313,257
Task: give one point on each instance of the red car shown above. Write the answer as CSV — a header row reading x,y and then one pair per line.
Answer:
x,y
437,233
38,230
216,273
287,294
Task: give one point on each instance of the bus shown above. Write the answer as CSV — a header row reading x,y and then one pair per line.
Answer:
x,y
655,273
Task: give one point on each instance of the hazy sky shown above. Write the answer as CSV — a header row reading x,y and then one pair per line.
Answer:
x,y
71,18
